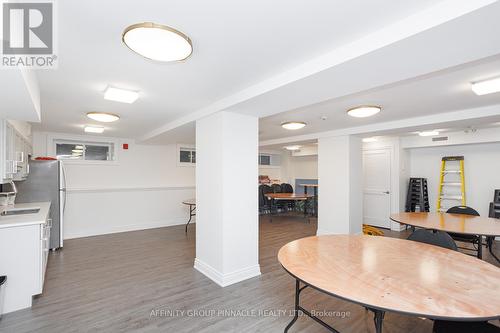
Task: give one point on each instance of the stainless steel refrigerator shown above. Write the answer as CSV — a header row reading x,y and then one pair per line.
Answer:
x,y
46,182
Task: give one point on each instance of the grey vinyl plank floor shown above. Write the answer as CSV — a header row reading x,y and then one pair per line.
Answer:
x,y
144,281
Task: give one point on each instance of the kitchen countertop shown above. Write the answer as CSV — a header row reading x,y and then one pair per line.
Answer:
x,y
25,219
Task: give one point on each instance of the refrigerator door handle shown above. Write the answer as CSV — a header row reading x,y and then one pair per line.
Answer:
x,y
63,173
64,206
63,187
62,196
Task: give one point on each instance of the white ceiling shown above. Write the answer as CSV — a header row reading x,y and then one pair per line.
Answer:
x,y
440,92
236,44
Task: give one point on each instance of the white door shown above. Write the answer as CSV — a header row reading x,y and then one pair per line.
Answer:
x,y
376,187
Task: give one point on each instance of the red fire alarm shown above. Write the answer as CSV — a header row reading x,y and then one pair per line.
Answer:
x,y
125,146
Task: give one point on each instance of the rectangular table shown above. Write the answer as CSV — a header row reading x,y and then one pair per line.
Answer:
x,y
289,197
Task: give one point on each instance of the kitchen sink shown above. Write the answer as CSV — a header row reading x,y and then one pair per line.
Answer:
x,y
20,211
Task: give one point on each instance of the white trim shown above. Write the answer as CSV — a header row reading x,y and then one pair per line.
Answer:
x,y
128,189
227,279
126,228
269,166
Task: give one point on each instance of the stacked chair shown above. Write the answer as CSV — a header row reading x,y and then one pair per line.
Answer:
x,y
417,195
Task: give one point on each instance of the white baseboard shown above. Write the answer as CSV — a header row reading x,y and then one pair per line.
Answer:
x,y
321,232
104,230
227,279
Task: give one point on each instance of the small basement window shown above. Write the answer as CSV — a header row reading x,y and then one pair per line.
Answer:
x,y
187,155
84,151
264,159
272,160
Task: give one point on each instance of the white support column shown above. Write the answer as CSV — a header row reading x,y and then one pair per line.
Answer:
x,y
227,225
340,205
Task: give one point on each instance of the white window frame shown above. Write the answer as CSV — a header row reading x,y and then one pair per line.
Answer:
x,y
181,147
53,139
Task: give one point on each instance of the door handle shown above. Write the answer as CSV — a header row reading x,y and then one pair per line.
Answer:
x,y
386,192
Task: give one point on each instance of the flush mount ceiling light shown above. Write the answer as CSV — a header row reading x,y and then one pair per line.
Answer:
x,y
372,139
363,111
120,95
486,87
293,125
157,42
428,133
103,117
93,129
295,147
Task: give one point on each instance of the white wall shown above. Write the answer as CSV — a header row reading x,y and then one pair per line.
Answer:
x,y
143,189
482,166
302,167
292,167
298,167
274,172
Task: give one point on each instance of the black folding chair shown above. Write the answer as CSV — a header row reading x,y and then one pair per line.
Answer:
x,y
475,240
437,238
494,212
287,188
265,202
442,239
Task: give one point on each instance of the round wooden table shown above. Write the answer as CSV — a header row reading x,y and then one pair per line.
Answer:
x,y
397,275
457,223
192,207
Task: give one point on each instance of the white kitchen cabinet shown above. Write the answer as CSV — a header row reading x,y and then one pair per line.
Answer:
x,y
24,250
44,251
7,150
14,153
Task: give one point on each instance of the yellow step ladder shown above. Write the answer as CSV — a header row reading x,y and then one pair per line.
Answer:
x,y
444,183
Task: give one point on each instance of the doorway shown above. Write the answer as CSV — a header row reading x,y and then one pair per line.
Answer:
x,y
377,187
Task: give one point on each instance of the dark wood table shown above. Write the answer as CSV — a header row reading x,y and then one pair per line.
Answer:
x,y
456,223
315,199
192,208
289,197
396,275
